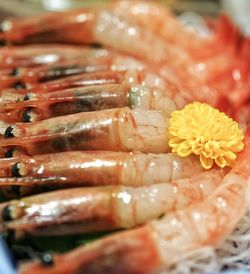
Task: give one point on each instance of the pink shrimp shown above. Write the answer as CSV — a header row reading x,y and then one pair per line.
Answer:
x,y
164,23
82,210
36,55
113,129
91,168
161,244
87,79
42,106
102,60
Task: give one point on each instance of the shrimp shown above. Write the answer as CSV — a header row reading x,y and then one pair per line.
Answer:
x,y
162,243
42,106
92,168
161,21
87,79
91,26
21,77
37,55
119,129
82,210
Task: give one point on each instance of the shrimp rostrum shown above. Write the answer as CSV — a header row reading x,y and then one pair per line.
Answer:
x,y
162,243
81,210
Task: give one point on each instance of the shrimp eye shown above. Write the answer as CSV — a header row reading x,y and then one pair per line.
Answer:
x,y
10,237
26,97
7,213
19,85
15,170
9,132
16,190
47,259
27,116
15,72
9,153
3,42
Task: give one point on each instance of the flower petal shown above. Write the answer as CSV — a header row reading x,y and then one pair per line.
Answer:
x,y
184,149
206,162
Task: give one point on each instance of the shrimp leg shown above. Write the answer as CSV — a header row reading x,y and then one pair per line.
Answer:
x,y
115,129
162,243
82,210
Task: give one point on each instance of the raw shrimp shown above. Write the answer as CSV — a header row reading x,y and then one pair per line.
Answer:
x,y
87,79
86,26
151,16
161,244
119,129
101,61
82,210
42,106
165,24
91,168
36,55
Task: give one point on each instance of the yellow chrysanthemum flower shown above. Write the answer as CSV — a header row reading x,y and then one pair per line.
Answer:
x,y
202,130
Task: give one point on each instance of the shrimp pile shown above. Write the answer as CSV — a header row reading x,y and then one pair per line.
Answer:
x,y
85,101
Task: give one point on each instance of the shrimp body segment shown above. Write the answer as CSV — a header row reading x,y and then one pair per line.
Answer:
x,y
169,239
83,210
92,168
113,129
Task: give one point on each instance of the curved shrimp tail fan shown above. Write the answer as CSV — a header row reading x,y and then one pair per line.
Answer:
x,y
247,138
227,31
245,50
242,164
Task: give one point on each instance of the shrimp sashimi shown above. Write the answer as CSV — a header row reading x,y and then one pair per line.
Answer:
x,y
87,79
36,55
23,77
161,244
82,210
42,106
119,129
92,168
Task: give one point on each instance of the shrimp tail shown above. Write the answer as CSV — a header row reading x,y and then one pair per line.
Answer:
x,y
134,252
227,32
